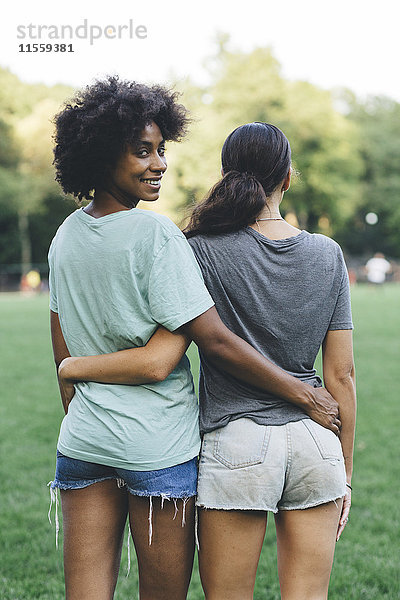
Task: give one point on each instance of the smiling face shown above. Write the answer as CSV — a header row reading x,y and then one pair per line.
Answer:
x,y
138,172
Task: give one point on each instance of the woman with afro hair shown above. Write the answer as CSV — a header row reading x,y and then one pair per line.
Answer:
x,y
123,277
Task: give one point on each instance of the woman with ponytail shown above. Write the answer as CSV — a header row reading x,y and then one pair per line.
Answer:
x,y
286,293
251,172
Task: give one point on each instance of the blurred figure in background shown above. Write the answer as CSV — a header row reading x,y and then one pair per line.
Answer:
x,y
30,282
377,268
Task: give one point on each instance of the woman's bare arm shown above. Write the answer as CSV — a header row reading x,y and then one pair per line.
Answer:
x,y
60,352
148,364
232,354
339,379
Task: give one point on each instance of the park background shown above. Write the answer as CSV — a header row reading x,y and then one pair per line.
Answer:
x,y
326,76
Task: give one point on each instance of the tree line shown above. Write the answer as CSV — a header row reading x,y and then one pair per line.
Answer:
x,y
345,152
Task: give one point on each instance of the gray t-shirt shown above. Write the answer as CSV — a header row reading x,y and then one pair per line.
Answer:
x,y
281,296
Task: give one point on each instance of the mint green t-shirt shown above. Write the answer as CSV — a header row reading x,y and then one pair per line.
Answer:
x,y
113,280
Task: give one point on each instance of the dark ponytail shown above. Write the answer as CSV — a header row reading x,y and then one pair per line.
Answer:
x,y
255,158
220,211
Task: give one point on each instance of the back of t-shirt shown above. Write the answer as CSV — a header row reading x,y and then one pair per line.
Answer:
x,y
113,280
281,296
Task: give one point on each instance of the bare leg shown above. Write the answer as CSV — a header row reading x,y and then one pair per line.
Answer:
x,y
93,523
165,566
230,547
306,544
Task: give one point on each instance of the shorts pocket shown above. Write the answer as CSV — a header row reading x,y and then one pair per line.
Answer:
x,y
241,443
326,441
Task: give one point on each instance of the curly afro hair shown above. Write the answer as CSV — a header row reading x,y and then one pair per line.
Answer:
x,y
94,128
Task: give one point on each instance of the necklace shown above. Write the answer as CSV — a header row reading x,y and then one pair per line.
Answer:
x,y
268,219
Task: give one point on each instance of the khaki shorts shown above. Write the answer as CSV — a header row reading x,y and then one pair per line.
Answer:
x,y
247,466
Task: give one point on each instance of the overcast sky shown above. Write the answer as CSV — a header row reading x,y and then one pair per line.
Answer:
x,y
351,43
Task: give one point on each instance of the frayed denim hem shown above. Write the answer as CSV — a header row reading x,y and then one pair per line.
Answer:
x,y
181,496
208,507
121,483
78,486
312,504
272,510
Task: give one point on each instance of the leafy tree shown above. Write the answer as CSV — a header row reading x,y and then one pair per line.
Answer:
x,y
378,122
26,174
18,98
250,87
8,190
325,152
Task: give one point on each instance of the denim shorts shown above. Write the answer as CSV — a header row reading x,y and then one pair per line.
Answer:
x,y
178,481
246,466
171,483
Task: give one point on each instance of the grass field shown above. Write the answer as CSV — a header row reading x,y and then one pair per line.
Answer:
x,y
367,556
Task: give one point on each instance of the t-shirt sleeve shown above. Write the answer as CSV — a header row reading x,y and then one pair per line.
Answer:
x,y
177,293
341,318
52,283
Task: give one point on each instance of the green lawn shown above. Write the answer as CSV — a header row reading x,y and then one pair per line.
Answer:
x,y
367,556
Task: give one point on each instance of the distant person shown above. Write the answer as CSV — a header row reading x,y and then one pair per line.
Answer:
x,y
33,279
352,276
377,268
44,285
23,284
118,273
30,282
